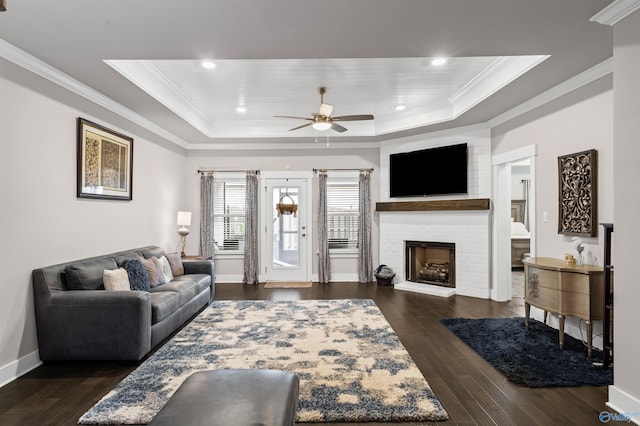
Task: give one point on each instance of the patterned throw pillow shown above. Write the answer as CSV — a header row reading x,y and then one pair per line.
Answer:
x,y
166,269
138,276
116,280
176,264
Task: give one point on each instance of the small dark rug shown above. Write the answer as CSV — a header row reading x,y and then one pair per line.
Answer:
x,y
531,358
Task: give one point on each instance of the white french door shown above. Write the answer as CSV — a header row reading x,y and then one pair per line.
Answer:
x,y
287,238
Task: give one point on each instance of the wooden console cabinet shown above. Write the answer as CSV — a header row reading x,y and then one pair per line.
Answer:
x,y
564,289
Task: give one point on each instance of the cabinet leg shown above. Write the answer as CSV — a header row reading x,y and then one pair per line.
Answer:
x,y
527,312
561,330
589,338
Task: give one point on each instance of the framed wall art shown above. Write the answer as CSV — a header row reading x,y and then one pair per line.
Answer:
x,y
105,162
578,193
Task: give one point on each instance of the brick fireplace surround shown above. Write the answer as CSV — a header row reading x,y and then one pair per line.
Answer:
x,y
469,230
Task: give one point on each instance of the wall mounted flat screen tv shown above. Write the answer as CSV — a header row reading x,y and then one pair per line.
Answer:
x,y
433,171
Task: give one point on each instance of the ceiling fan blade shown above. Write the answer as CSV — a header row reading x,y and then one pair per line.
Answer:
x,y
300,127
353,117
326,110
338,128
291,116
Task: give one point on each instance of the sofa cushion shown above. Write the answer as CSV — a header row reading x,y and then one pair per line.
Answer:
x,y
163,304
202,280
152,251
187,289
138,277
116,280
121,257
175,262
154,269
87,274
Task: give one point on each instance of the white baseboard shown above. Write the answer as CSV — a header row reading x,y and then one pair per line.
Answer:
x,y
231,278
19,367
626,405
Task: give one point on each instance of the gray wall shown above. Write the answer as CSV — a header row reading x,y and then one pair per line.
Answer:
x,y
43,222
580,120
626,234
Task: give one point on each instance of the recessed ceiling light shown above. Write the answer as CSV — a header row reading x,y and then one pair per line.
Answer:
x,y
241,109
401,107
438,61
208,64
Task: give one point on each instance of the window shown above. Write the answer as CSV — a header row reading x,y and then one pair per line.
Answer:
x,y
228,214
343,214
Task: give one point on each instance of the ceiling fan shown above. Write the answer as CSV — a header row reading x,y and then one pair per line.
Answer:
x,y
322,119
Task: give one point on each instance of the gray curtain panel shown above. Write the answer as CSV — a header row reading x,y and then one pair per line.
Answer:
x,y
324,268
251,260
365,266
206,215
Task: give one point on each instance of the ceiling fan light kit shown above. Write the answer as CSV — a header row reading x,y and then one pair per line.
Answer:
x,y
322,119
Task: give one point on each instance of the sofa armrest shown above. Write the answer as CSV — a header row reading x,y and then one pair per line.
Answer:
x,y
94,325
199,267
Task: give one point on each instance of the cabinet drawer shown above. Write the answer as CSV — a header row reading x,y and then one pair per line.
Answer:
x,y
543,298
575,283
576,304
543,278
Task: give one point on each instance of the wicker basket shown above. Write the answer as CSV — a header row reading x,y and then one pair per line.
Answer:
x,y
385,281
287,208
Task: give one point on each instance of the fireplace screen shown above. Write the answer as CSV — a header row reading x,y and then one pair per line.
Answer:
x,y
431,262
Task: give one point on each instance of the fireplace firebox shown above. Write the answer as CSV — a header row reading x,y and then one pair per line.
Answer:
x,y
430,262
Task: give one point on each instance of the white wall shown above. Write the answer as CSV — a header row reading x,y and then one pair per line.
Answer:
x,y
43,221
230,268
625,394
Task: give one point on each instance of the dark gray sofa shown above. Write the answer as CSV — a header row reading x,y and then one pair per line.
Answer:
x,y
114,325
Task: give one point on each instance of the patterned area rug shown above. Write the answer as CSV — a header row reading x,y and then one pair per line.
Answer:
x,y
352,366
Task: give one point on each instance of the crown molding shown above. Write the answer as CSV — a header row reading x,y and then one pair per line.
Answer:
x,y
615,12
149,79
600,70
494,77
46,71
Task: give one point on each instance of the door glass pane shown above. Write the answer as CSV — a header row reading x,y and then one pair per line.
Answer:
x,y
285,228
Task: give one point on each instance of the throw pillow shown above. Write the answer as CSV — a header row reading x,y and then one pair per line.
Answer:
x,y
116,280
154,270
138,276
166,269
176,264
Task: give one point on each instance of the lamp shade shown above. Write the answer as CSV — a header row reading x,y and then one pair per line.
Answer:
x,y
184,218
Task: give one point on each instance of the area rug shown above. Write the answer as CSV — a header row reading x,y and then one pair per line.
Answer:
x,y
352,366
531,358
288,284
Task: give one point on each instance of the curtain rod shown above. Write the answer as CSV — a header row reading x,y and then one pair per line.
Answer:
x,y
227,171
344,170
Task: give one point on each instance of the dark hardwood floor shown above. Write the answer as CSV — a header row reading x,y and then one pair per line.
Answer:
x,y
471,391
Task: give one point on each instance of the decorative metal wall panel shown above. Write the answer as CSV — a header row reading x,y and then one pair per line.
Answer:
x,y
578,195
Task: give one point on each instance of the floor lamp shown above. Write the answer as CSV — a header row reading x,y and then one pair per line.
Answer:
x,y
184,220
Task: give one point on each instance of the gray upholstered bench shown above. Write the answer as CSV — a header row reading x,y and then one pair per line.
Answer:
x,y
233,397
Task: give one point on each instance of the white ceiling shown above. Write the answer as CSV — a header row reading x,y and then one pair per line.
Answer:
x,y
271,56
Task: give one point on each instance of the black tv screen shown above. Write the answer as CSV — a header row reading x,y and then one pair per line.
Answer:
x,y
433,171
